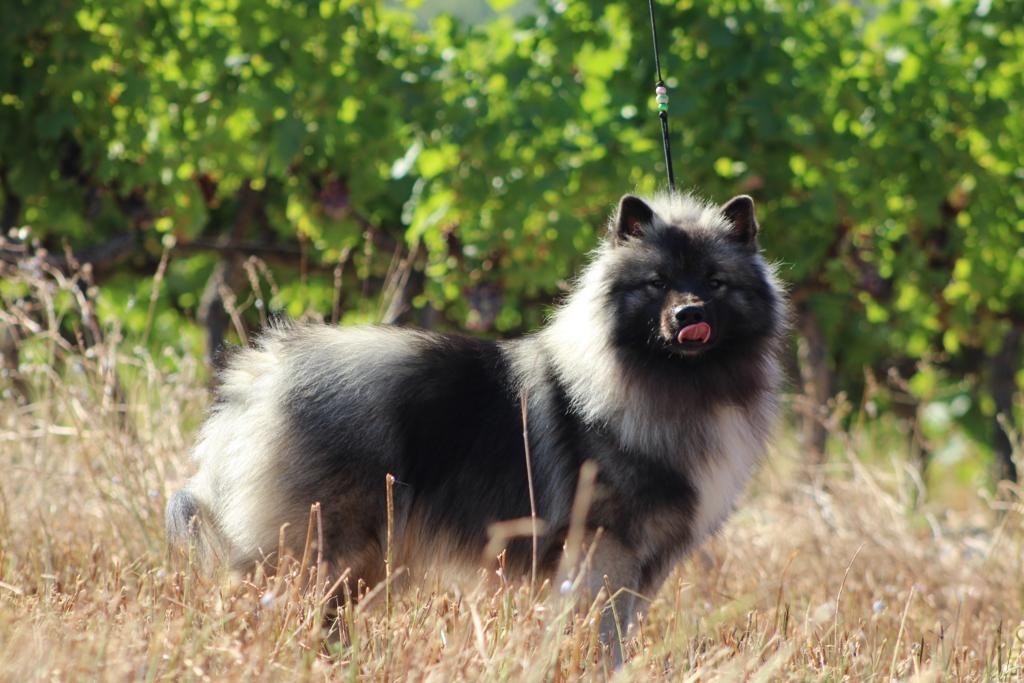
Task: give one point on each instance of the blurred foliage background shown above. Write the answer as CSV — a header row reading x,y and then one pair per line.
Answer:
x,y
203,164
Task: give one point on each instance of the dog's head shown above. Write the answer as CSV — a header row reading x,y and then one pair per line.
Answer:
x,y
688,280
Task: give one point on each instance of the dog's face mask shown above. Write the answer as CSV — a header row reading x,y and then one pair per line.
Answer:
x,y
686,290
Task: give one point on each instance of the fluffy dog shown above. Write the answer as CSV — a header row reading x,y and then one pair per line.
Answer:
x,y
662,367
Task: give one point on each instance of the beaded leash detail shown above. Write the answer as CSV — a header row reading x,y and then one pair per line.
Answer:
x,y
661,97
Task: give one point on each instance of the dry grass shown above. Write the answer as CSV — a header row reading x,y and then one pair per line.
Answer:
x,y
830,574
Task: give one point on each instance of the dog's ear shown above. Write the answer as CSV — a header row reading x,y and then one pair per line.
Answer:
x,y
740,212
633,220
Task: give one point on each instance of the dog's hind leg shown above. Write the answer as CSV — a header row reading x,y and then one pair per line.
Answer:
x,y
182,519
192,537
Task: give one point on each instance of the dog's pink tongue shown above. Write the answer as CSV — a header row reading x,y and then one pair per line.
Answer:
x,y
697,332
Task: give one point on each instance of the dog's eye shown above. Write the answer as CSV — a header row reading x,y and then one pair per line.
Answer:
x,y
656,282
715,283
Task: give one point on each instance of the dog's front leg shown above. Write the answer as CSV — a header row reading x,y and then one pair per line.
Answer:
x,y
612,572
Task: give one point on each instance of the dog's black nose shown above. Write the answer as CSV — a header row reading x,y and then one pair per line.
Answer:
x,y
689,315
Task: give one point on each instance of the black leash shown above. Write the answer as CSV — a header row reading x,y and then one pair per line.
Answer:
x,y
661,96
